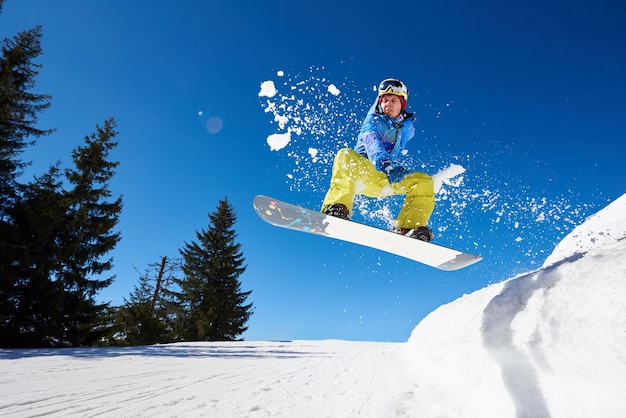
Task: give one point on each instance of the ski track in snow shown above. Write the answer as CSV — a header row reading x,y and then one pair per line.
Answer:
x,y
201,379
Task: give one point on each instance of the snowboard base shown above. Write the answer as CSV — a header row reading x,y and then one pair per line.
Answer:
x,y
286,215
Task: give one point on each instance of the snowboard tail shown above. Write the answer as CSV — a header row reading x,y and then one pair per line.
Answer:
x,y
286,215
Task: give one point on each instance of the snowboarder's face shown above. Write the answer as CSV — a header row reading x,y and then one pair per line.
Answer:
x,y
391,105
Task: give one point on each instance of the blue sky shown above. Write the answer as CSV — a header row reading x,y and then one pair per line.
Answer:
x,y
530,99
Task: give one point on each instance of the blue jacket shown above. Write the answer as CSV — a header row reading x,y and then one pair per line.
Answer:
x,y
383,138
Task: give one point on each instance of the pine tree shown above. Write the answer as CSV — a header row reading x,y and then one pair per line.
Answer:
x,y
19,109
31,314
51,270
148,316
92,216
213,305
52,241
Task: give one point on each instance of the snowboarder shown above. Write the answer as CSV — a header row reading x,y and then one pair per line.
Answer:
x,y
373,169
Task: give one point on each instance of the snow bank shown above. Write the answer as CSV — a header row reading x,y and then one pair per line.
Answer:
x,y
546,343
605,227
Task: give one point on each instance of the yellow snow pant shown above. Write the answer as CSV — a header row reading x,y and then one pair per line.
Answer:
x,y
353,173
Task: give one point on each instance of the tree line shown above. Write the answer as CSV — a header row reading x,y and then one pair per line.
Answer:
x,y
196,297
57,230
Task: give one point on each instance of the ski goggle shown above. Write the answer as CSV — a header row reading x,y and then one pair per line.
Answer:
x,y
391,86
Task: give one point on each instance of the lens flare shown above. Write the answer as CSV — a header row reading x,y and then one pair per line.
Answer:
x,y
214,124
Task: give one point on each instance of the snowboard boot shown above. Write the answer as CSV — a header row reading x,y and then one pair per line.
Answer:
x,y
422,233
338,210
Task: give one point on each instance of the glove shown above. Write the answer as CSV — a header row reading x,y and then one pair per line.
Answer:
x,y
394,171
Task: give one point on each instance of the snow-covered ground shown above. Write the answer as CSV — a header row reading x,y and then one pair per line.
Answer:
x,y
550,343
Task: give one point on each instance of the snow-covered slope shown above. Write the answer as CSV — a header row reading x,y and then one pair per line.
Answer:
x,y
603,228
550,343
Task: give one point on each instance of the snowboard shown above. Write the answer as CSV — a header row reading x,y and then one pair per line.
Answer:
x,y
286,215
